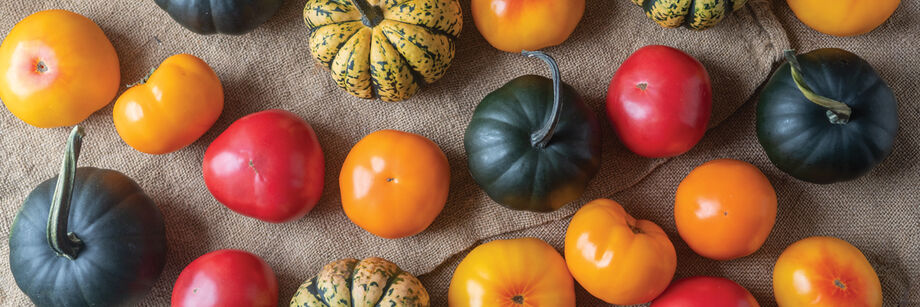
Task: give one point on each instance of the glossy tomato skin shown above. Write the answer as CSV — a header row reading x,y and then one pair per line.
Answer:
x,y
172,108
267,165
513,272
843,17
825,271
58,67
659,101
705,291
394,184
516,25
725,209
617,258
226,278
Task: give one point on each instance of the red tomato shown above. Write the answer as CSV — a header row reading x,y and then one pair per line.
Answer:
x,y
267,165
226,278
705,291
659,101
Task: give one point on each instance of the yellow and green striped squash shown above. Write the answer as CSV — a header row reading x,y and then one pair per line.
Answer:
x,y
383,48
694,14
366,283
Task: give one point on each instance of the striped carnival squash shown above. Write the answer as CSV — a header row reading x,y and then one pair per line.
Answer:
x,y
369,282
383,48
694,14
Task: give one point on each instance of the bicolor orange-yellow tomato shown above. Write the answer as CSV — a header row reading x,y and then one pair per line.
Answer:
x,y
725,209
514,272
515,25
825,271
843,17
394,184
616,257
171,108
56,68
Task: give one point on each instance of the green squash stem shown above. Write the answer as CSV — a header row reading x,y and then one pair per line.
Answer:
x,y
541,138
371,15
837,112
65,244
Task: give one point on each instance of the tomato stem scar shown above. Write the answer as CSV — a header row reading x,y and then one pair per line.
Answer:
x,y
41,67
642,86
517,299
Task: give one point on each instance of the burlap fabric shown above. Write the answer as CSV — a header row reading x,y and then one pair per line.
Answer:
x,y
271,68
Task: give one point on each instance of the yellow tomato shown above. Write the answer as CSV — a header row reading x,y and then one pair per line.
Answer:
x,y
515,25
515,272
825,271
57,68
172,108
394,183
617,258
843,17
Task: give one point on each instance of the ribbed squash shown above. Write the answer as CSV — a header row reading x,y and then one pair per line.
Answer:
x,y
369,282
694,14
383,48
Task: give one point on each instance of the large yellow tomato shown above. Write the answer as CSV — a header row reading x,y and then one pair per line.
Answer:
x,y
515,272
515,25
725,209
172,108
616,257
57,68
825,271
843,17
394,183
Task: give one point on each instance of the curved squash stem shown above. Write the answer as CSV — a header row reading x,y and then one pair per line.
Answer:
x,y
541,137
63,243
371,15
837,112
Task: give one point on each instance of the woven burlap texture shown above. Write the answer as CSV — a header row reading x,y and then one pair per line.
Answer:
x,y
272,68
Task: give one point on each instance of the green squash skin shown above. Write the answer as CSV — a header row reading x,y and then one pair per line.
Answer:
x,y
693,14
512,171
797,135
124,236
233,17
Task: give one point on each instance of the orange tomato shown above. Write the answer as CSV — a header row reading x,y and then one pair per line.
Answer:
x,y
616,257
57,68
394,183
725,209
515,272
843,17
171,108
515,25
825,271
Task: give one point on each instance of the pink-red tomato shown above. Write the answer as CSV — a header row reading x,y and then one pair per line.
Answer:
x,y
659,101
705,291
267,165
226,278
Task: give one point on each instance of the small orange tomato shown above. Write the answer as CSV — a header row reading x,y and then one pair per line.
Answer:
x,y
171,108
843,17
515,25
394,183
515,272
57,68
616,257
725,209
825,271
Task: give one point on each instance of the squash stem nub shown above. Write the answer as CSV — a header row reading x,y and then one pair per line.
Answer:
x,y
63,243
837,112
371,15
541,137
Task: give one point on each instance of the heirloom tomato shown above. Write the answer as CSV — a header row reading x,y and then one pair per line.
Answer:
x,y
56,68
517,25
705,291
226,278
394,183
514,272
171,108
724,209
825,271
659,102
616,257
843,17
268,165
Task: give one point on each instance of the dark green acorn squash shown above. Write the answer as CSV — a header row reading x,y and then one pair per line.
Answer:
x,y
88,237
694,14
220,16
533,144
826,116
